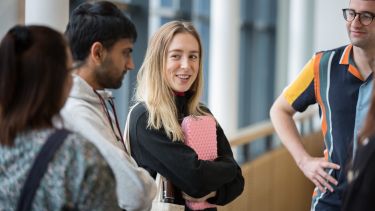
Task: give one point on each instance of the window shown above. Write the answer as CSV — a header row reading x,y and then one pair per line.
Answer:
x,y
257,66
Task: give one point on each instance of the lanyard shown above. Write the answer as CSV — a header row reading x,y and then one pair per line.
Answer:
x,y
107,113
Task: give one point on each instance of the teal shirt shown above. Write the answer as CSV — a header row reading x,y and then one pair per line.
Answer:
x,y
78,176
363,104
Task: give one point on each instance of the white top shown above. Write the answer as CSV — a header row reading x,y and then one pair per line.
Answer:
x,y
84,114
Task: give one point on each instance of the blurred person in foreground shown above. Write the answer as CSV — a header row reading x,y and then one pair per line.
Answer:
x,y
35,79
360,193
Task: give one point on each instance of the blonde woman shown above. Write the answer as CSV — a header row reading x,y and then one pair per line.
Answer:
x,y
169,87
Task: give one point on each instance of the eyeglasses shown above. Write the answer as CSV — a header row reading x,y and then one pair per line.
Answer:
x,y
365,18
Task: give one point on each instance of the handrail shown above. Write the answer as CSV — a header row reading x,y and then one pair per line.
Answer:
x,y
265,128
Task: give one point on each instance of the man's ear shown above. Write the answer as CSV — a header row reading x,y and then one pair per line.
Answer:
x,y
97,52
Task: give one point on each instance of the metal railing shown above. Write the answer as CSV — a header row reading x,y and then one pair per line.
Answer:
x,y
263,129
268,176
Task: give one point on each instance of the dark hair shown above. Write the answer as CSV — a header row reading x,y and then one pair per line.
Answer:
x,y
33,74
97,22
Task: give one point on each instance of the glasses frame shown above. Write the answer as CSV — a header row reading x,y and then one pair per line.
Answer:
x,y
360,15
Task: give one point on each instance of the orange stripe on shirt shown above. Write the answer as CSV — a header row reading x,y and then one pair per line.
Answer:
x,y
325,152
345,59
317,91
315,192
355,72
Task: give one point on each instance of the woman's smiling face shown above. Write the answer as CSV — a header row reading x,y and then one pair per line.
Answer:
x,y
182,63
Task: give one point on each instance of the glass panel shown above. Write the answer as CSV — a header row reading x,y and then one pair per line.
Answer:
x,y
164,20
257,67
202,7
201,16
166,3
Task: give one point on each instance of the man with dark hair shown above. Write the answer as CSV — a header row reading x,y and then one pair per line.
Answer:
x,y
101,39
340,81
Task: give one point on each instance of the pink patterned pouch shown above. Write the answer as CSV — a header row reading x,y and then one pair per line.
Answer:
x,y
200,135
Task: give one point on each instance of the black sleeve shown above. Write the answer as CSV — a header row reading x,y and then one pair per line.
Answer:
x,y
232,189
178,162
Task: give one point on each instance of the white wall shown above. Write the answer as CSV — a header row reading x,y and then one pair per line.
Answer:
x,y
301,34
54,14
330,30
46,12
8,15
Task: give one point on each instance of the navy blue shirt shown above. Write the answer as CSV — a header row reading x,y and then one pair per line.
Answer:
x,y
331,79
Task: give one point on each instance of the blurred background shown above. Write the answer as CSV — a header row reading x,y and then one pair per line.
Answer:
x,y
252,50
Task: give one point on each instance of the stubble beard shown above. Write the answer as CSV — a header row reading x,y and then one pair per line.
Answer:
x,y
107,79
360,43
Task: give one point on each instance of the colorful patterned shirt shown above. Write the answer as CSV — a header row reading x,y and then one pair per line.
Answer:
x,y
78,176
330,79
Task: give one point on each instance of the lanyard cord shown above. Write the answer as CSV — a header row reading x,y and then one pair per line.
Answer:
x,y
110,101
112,104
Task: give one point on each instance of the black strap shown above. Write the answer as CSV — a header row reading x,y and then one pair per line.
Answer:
x,y
39,167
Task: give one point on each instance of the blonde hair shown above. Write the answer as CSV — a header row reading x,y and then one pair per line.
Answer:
x,y
153,89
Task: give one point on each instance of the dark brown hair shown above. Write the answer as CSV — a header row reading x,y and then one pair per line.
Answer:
x,y
100,22
33,72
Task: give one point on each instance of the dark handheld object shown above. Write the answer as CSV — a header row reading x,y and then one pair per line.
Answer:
x,y
168,191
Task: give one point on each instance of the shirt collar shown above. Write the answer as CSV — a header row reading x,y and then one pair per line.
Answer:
x,y
346,55
347,59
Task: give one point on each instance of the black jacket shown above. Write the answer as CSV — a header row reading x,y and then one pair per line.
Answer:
x,y
154,151
360,194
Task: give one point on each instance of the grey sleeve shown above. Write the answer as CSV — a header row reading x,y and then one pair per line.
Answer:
x,y
135,187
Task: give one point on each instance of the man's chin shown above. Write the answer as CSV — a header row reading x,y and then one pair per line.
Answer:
x,y
358,43
116,86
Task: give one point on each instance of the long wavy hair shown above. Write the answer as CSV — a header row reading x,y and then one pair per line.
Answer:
x,y
152,86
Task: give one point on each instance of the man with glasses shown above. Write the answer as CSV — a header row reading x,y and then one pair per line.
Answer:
x,y
101,39
339,80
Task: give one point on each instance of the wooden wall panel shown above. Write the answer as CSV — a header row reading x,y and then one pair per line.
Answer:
x,y
273,182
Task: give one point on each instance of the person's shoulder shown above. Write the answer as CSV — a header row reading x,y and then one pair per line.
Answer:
x,y
72,103
78,147
80,155
138,110
204,108
75,157
82,167
76,110
338,50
